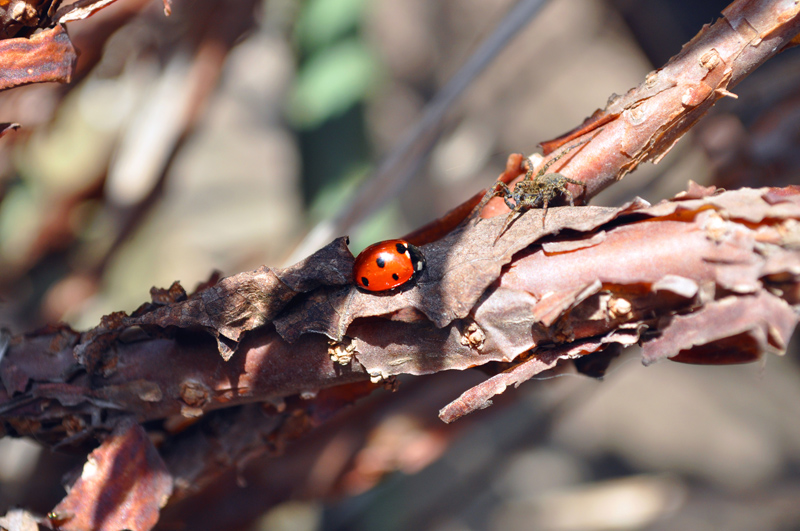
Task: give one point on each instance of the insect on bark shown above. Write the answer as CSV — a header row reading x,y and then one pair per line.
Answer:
x,y
532,191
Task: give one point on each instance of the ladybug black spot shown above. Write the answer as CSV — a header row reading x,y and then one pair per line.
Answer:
x,y
395,276
380,261
401,249
365,281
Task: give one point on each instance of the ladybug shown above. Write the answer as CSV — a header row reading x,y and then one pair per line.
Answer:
x,y
386,265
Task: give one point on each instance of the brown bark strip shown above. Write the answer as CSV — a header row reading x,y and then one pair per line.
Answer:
x,y
123,485
47,56
757,324
479,397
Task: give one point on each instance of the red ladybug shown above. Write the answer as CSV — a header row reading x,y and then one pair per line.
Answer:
x,y
386,265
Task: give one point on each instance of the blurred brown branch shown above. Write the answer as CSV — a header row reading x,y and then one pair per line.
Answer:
x,y
709,277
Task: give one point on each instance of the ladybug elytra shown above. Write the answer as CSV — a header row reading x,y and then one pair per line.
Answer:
x,y
386,265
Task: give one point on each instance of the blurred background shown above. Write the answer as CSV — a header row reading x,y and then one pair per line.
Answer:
x,y
219,137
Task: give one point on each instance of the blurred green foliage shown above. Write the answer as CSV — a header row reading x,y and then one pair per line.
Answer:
x,y
330,82
336,75
322,22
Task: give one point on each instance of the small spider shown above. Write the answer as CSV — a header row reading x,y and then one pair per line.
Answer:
x,y
532,191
